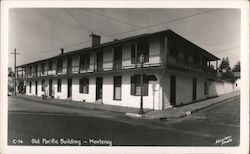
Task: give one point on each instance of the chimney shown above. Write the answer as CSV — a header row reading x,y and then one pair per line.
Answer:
x,y
62,51
96,39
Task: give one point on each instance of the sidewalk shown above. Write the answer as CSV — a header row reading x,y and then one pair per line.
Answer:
x,y
149,114
188,109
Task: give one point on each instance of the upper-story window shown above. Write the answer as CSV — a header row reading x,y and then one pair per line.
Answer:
x,y
59,66
173,50
36,69
50,65
84,61
117,64
141,47
43,68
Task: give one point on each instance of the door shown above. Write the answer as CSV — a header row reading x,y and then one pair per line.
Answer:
x,y
117,64
99,60
69,65
36,87
98,88
173,90
50,87
69,88
194,89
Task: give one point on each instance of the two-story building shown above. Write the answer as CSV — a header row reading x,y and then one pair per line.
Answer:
x,y
175,70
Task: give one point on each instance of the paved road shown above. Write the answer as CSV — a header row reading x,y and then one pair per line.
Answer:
x,y
33,123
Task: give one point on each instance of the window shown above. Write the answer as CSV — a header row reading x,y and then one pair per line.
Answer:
x,y
59,66
141,47
43,85
173,50
117,64
84,61
117,87
136,85
43,70
50,65
205,88
59,85
30,86
84,85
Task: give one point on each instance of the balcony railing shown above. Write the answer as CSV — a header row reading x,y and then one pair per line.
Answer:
x,y
180,63
79,70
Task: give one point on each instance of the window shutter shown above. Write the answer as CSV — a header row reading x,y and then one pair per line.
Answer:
x,y
132,90
145,85
87,85
80,86
133,54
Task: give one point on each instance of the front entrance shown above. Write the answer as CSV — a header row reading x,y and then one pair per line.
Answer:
x,y
173,90
194,89
98,88
50,87
69,88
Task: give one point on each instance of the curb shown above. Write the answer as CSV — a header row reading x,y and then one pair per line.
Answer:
x,y
187,113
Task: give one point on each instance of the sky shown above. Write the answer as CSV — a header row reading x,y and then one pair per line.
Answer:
x,y
39,33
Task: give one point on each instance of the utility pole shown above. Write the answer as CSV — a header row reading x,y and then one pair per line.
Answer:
x,y
15,53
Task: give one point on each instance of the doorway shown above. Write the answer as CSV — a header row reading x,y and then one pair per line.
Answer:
x,y
99,60
173,90
50,87
99,88
36,87
69,88
194,89
69,65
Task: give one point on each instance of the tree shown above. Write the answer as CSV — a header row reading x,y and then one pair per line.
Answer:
x,y
225,70
225,65
236,67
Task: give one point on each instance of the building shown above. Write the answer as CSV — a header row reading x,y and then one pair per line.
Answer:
x,y
176,72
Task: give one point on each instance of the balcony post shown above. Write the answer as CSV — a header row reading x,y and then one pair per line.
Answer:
x,y
216,65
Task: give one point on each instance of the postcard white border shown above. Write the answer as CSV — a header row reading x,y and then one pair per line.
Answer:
x,y
244,125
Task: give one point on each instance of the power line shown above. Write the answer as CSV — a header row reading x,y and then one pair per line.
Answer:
x,y
137,29
154,25
115,19
224,50
81,23
219,43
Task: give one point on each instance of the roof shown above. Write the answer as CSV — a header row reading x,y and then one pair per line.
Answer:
x,y
133,38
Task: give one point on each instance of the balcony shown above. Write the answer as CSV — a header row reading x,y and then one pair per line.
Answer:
x,y
181,64
98,68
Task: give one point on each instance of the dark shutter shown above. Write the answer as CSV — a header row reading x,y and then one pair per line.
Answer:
x,y
87,85
132,90
81,86
133,53
145,85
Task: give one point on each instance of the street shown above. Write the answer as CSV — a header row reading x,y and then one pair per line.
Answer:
x,y
33,123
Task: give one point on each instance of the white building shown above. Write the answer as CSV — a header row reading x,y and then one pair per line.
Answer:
x,y
176,72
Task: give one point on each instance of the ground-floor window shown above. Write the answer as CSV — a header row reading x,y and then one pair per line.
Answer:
x,y
43,85
117,88
84,85
59,85
136,85
30,86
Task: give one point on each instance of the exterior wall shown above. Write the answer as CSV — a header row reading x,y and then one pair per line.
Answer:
x,y
184,88
151,101
76,95
220,87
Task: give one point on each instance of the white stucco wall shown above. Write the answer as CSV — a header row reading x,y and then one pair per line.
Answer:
x,y
220,87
